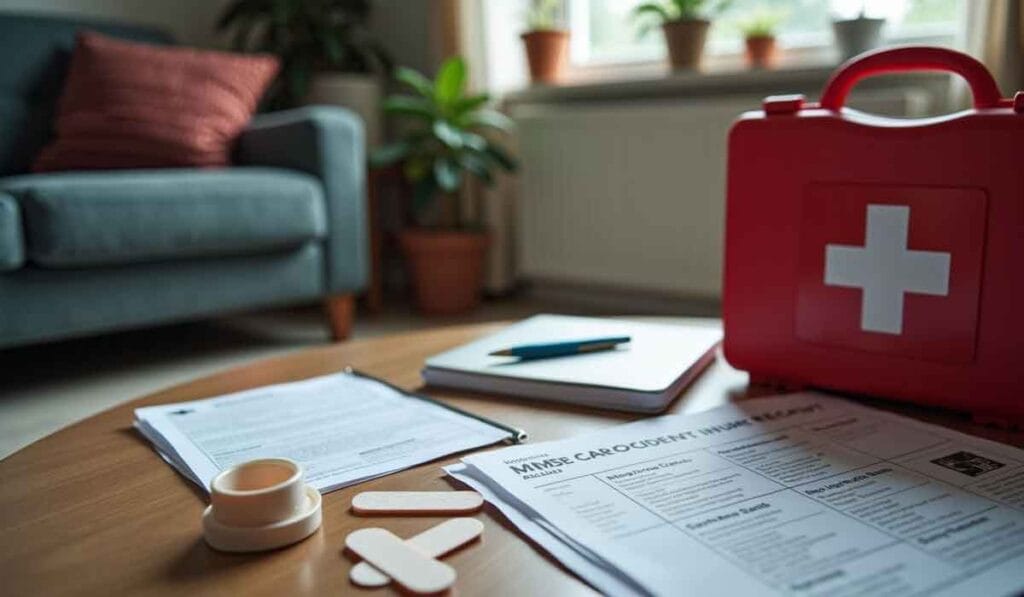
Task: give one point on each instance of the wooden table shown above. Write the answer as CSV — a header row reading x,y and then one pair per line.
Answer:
x,y
92,509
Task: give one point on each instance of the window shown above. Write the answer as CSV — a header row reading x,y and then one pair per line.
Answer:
x,y
604,33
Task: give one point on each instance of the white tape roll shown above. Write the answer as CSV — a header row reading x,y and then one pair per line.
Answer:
x,y
258,492
259,505
271,536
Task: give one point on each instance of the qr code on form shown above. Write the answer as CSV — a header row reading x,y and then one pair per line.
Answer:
x,y
968,463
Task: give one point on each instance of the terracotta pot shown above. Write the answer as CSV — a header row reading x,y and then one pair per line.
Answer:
x,y
546,52
761,51
685,41
446,268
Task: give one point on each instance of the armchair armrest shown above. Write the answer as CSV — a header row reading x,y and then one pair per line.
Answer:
x,y
326,142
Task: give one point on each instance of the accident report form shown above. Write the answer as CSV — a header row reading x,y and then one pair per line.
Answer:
x,y
802,494
341,428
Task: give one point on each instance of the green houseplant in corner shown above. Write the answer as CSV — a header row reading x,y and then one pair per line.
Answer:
x,y
448,143
327,52
685,24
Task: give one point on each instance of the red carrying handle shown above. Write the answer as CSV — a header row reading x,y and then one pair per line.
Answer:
x,y
911,58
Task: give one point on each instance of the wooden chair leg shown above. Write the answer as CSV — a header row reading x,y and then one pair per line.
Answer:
x,y
340,312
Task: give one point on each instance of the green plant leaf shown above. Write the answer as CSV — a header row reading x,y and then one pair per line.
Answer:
x,y
305,35
446,149
447,173
424,193
720,6
238,10
544,15
468,104
649,15
410,106
417,167
491,119
501,157
479,166
413,79
474,141
654,9
448,134
389,154
451,80
688,10
332,48
762,22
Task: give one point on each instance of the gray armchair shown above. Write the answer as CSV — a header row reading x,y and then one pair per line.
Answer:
x,y
92,251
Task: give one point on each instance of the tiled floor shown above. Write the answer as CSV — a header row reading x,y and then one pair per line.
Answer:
x,y
44,388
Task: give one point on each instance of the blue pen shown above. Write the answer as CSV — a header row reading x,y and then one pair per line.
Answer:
x,y
560,349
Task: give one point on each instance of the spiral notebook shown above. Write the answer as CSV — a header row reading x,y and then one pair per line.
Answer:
x,y
644,375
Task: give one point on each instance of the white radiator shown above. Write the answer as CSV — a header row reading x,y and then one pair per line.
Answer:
x,y
631,195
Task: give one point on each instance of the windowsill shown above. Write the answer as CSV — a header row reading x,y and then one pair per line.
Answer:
x,y
799,72
675,84
808,79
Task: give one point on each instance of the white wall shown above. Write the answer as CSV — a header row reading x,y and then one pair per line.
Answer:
x,y
630,195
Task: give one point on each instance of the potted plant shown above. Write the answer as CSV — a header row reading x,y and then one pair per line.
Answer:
x,y
857,35
327,53
547,45
685,25
446,144
759,34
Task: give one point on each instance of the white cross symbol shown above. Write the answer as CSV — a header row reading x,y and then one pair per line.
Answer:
x,y
885,269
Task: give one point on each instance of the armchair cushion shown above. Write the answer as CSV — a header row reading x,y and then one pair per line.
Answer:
x,y
12,247
86,219
134,105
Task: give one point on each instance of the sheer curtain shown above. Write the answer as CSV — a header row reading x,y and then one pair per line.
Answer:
x,y
486,34
490,32
994,33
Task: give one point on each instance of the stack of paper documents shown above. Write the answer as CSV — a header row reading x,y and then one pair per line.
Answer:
x,y
342,429
802,494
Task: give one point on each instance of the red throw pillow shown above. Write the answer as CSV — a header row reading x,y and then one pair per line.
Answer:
x,y
131,105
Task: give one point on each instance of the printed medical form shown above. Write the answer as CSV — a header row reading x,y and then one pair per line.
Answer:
x,y
802,494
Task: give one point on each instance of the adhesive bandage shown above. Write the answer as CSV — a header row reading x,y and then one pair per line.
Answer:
x,y
407,565
417,502
433,542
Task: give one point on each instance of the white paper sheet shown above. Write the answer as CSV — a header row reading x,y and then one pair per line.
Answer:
x,y
802,494
341,428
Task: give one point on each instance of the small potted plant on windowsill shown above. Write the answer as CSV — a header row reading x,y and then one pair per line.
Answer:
x,y
547,44
759,35
857,35
685,25
446,144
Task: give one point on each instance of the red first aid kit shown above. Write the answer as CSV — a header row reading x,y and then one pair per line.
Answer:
x,y
881,256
